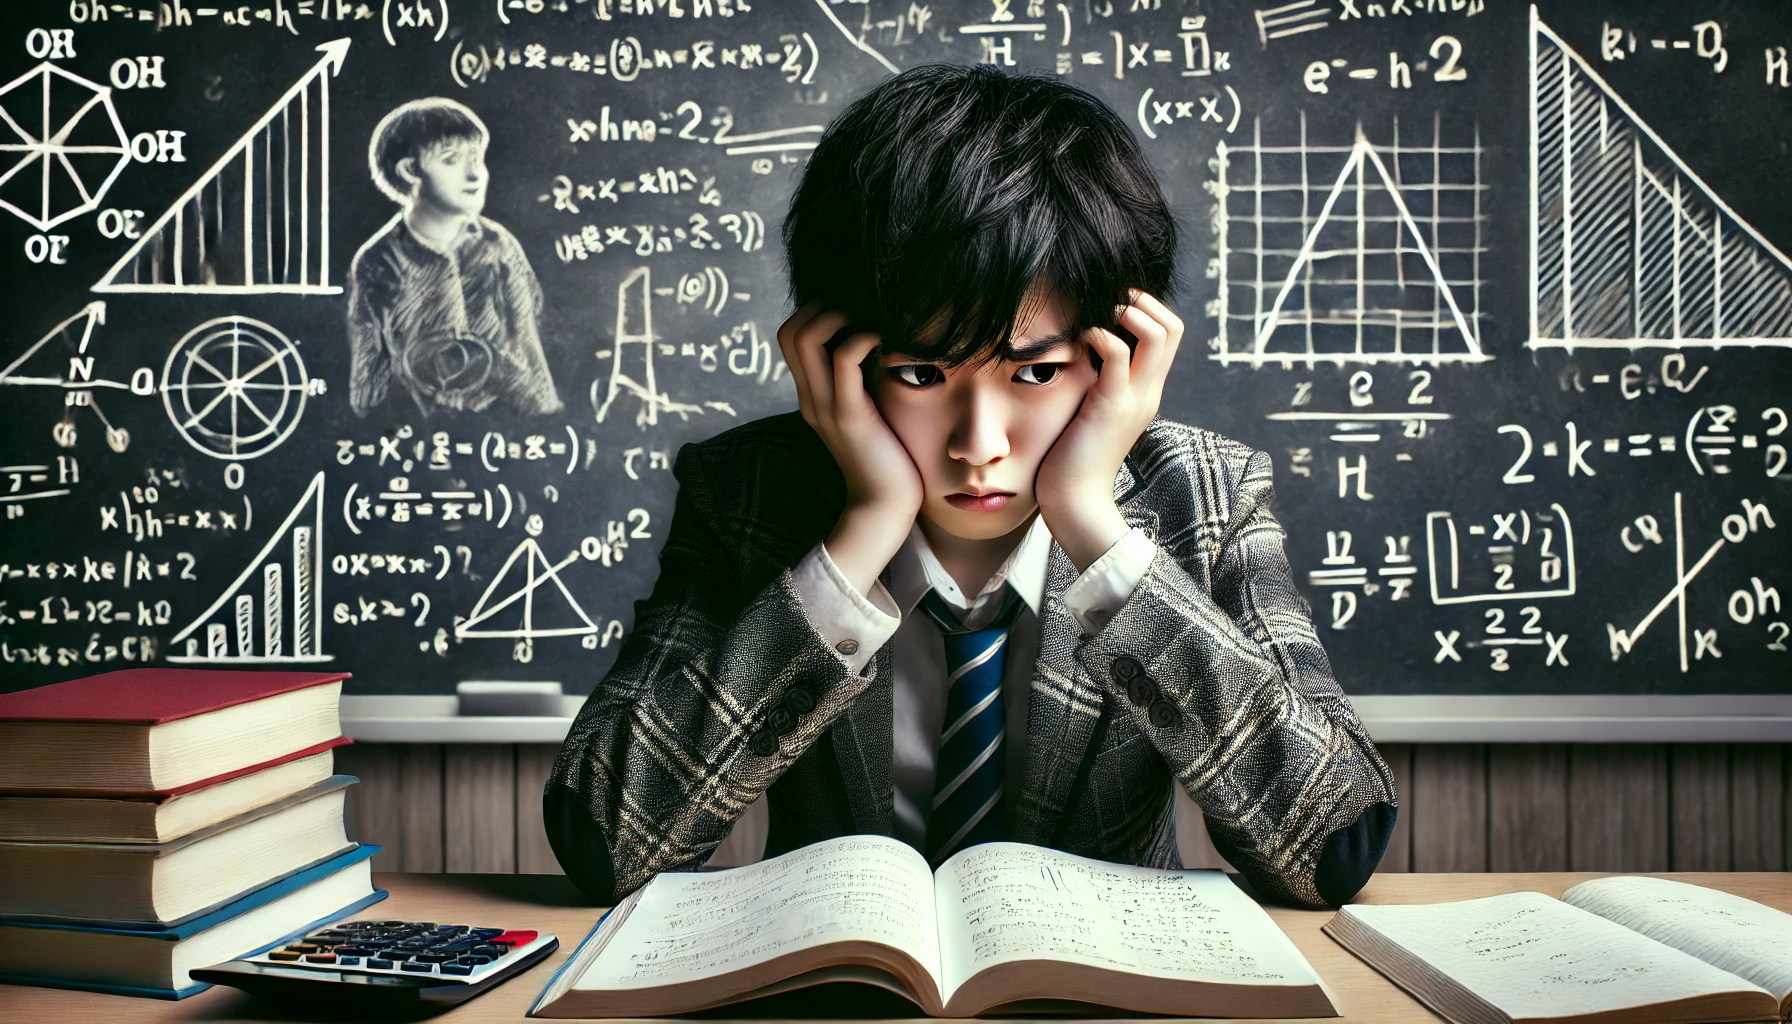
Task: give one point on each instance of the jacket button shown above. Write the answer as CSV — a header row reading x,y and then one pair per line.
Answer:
x,y
847,647
1164,715
1124,668
780,721
764,743
1142,689
799,700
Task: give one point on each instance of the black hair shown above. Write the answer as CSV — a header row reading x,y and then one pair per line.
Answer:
x,y
948,192
409,130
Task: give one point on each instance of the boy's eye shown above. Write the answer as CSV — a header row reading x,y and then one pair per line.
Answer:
x,y
901,373
1049,370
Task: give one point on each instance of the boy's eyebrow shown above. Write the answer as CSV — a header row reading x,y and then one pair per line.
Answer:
x,y
1039,346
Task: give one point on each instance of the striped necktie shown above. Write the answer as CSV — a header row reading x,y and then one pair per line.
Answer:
x,y
967,795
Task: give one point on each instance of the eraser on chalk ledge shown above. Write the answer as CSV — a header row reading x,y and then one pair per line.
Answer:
x,y
526,699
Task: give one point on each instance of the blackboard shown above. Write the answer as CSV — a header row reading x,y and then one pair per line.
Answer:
x,y
1504,290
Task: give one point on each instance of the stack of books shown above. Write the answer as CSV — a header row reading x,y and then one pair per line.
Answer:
x,y
153,821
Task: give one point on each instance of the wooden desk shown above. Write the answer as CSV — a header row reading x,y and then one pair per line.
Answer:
x,y
550,903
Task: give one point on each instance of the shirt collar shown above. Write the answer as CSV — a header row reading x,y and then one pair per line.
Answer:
x,y
473,230
916,569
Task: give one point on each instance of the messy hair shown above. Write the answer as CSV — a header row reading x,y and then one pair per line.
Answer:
x,y
412,130
953,194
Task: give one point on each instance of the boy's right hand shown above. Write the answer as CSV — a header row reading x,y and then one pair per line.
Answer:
x,y
883,488
830,390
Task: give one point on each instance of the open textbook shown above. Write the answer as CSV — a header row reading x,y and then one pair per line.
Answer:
x,y
998,926
1620,949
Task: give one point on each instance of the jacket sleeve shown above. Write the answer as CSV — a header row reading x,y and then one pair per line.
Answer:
x,y
1236,692
711,698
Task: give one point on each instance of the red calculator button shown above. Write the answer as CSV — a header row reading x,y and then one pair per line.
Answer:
x,y
514,939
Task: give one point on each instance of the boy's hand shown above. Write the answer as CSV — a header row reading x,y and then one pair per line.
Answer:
x,y
1075,484
883,488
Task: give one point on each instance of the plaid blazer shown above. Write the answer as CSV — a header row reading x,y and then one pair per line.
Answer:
x,y
1239,704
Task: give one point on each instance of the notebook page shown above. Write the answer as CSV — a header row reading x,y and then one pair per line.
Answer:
x,y
1533,956
694,924
1010,901
1737,934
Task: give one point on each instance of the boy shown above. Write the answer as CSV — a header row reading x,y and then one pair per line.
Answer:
x,y
980,429
442,298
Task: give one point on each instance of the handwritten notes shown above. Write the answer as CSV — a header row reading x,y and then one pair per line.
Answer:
x,y
867,888
1533,956
1737,934
1005,901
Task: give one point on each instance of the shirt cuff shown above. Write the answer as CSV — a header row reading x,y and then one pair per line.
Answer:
x,y
854,626
1104,587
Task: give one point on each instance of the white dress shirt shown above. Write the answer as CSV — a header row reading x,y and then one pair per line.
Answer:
x,y
856,626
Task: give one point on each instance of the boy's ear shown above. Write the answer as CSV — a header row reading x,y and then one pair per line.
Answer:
x,y
407,169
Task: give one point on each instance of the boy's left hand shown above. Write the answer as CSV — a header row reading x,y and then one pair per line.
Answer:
x,y
1075,484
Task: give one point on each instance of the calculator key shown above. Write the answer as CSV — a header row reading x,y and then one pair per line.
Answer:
x,y
456,969
486,933
280,954
419,968
320,958
520,938
432,958
349,961
379,964
302,947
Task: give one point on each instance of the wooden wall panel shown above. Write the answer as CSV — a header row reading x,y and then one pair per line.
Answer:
x,y
1527,807
1758,808
534,856
1463,807
1699,793
1399,852
1618,807
1449,789
479,800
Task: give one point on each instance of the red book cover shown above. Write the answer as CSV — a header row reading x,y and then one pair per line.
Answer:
x,y
159,795
151,696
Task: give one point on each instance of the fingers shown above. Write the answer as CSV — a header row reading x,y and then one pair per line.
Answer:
x,y
1159,332
849,383
803,339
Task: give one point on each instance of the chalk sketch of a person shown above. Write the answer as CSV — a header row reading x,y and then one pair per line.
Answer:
x,y
442,299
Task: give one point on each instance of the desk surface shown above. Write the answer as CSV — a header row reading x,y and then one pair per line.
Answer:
x,y
550,903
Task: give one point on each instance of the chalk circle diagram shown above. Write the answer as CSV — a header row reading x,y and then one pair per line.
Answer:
x,y
235,387
77,151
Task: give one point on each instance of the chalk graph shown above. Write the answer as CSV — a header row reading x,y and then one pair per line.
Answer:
x,y
235,387
292,611
563,617
1349,253
72,374
76,158
1629,248
258,221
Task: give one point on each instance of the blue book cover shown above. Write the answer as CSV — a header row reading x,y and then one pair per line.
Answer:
x,y
198,922
210,918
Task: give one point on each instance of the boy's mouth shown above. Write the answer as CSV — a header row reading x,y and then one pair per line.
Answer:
x,y
988,501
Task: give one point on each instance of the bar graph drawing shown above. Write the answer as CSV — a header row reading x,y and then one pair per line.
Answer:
x,y
256,222
1349,253
1629,248
288,576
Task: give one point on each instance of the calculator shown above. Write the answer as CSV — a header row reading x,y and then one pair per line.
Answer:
x,y
382,962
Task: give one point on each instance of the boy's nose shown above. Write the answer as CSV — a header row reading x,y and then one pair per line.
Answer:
x,y
981,432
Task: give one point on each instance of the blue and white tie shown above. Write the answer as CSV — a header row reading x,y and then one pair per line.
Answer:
x,y
967,795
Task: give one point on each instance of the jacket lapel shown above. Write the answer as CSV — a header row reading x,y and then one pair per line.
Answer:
x,y
1064,702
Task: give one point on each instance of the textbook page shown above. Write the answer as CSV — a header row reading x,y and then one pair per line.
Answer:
x,y
1534,956
696,924
999,902
1739,935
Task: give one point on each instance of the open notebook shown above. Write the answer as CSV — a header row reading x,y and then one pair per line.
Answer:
x,y
998,926
1624,949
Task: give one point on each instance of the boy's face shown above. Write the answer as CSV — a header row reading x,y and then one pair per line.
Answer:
x,y
451,176
988,429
